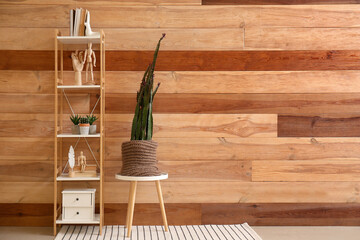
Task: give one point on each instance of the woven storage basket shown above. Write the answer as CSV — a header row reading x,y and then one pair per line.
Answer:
x,y
139,158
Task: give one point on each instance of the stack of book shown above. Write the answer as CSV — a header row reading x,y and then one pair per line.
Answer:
x,y
77,21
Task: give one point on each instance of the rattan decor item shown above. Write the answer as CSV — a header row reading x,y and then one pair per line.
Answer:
x,y
139,158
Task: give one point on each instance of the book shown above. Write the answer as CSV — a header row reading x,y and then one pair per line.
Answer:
x,y
82,23
72,22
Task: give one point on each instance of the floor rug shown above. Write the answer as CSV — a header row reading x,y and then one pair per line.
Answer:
x,y
191,232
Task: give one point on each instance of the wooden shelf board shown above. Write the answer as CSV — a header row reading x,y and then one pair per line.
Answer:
x,y
65,177
78,39
79,221
69,135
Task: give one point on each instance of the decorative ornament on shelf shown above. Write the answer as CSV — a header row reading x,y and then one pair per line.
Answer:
x,y
88,31
82,162
78,60
139,154
90,55
71,159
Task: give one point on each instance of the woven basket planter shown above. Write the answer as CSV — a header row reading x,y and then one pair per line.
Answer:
x,y
139,158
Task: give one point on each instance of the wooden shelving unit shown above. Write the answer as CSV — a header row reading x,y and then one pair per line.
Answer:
x,y
60,134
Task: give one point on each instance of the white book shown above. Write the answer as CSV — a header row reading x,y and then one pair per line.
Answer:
x,y
77,22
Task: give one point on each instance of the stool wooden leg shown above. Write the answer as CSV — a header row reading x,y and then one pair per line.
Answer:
x,y
129,201
131,206
162,207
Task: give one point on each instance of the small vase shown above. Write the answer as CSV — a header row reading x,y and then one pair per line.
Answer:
x,y
92,129
84,129
75,129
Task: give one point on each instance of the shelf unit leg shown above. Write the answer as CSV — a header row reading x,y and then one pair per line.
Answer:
x,y
162,206
131,205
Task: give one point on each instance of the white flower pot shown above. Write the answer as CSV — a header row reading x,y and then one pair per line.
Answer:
x,y
75,129
92,129
84,130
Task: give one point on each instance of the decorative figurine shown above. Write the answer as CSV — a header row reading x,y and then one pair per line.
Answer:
x,y
78,60
71,159
88,31
90,55
82,162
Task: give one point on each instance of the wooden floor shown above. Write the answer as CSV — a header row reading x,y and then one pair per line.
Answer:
x,y
267,233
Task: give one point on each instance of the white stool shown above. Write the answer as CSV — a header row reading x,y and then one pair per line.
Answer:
x,y
132,194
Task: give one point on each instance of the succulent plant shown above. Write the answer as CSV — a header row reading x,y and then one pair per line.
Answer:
x,y
91,118
75,119
142,125
84,120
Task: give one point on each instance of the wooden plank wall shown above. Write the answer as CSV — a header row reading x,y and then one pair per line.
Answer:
x,y
257,117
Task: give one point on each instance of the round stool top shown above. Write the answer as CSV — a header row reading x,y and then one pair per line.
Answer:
x,y
141,178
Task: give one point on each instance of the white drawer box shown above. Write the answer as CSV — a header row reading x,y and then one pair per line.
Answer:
x,y
78,204
77,200
77,213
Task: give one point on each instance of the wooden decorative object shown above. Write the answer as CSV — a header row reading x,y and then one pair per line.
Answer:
x,y
90,55
78,60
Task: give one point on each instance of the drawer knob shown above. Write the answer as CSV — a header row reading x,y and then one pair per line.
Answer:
x,y
77,199
77,213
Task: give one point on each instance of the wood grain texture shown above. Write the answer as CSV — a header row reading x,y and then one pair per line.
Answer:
x,y
284,104
26,149
195,60
282,214
239,81
278,2
78,3
198,125
301,38
266,214
26,82
237,192
184,16
195,192
193,171
298,170
130,39
222,149
26,171
27,214
318,126
149,214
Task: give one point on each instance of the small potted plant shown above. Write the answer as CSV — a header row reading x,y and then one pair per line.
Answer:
x,y
75,120
92,119
84,126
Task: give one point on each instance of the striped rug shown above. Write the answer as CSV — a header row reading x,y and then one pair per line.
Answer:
x,y
191,232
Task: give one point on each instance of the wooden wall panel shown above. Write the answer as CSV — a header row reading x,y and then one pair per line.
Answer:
x,y
131,39
76,3
223,149
26,171
28,149
277,2
283,214
279,214
284,104
302,38
195,60
319,126
239,81
198,125
194,171
26,82
308,171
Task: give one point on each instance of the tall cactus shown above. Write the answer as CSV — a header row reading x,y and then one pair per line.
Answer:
x,y
142,125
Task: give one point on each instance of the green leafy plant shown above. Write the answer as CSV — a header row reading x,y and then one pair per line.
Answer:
x,y
142,125
75,119
91,118
84,120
